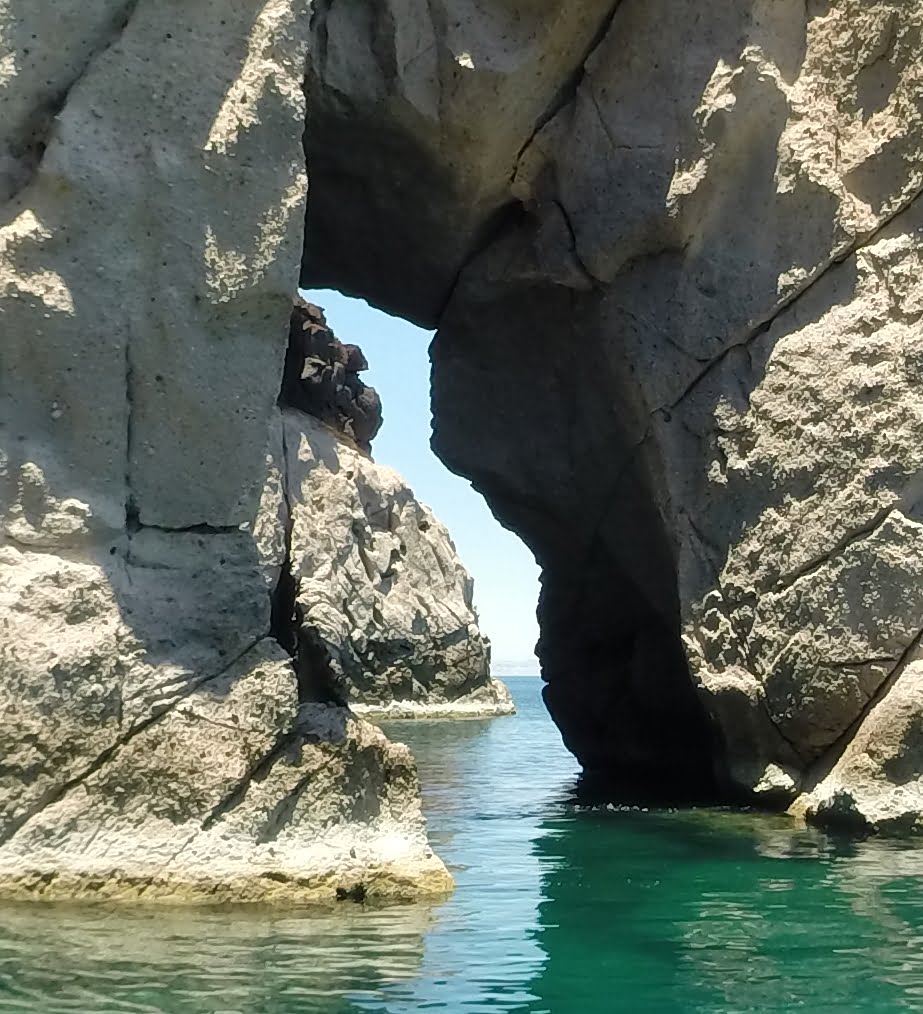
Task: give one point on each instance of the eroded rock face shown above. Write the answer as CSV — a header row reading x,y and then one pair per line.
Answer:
x,y
154,744
673,251
321,377
426,105
683,366
152,739
381,609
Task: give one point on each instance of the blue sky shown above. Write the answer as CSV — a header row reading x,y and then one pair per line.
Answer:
x,y
504,571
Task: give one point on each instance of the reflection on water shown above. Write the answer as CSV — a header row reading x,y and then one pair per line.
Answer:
x,y
558,909
56,958
708,912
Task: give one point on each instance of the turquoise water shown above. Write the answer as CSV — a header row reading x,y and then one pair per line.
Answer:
x,y
558,909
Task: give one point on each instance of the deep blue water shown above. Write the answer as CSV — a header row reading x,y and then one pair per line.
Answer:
x,y
557,909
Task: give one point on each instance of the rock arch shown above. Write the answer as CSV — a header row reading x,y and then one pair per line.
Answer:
x,y
673,254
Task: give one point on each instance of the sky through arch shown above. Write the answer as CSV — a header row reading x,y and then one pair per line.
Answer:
x,y
505,573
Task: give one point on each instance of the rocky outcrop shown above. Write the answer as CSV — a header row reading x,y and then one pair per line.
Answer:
x,y
156,744
690,267
154,740
673,254
372,599
321,377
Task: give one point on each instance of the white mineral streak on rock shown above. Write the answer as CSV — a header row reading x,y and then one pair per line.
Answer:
x,y
385,604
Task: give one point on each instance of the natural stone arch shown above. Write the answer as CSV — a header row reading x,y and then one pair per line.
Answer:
x,y
619,284
674,257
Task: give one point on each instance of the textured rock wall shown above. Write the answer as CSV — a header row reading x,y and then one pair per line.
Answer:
x,y
439,97
680,360
379,606
673,253
152,738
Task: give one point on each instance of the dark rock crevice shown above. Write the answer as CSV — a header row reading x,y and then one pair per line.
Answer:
x,y
284,616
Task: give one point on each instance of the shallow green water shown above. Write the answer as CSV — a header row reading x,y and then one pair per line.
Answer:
x,y
557,909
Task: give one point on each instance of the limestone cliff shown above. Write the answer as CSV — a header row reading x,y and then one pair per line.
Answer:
x,y
154,740
673,251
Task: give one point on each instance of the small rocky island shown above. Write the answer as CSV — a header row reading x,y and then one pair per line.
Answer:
x,y
369,594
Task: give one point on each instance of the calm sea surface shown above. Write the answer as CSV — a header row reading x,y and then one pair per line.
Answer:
x,y
557,909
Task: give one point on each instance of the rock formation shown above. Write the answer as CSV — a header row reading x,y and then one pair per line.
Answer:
x,y
370,598
321,377
154,738
673,251
677,292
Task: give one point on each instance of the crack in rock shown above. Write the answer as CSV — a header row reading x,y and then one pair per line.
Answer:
x,y
566,94
832,755
58,792
760,329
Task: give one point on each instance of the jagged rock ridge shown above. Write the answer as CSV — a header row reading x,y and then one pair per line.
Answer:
x,y
321,377
370,596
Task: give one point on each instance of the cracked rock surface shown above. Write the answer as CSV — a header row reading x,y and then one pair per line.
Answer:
x,y
381,607
153,743
679,357
673,252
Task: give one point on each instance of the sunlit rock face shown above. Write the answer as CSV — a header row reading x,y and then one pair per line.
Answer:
x,y
677,351
152,735
370,596
673,253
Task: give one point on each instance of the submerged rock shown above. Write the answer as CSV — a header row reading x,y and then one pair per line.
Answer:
x,y
381,609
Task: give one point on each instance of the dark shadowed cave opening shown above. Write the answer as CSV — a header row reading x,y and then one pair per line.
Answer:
x,y
617,682
548,435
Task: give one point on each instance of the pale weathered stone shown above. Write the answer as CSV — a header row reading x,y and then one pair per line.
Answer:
x,y
150,238
385,619
876,783
233,794
674,253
